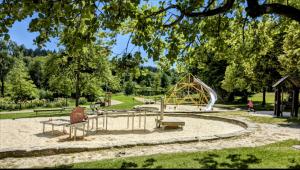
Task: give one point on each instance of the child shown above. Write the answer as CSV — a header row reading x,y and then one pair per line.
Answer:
x,y
250,106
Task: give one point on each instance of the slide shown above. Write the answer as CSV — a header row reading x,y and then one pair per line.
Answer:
x,y
212,93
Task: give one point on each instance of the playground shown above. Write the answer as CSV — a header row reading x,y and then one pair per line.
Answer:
x,y
185,119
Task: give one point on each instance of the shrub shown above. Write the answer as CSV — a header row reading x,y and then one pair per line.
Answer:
x,y
129,88
82,100
45,94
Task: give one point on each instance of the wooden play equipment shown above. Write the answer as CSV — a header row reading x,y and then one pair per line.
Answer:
x,y
167,122
291,83
192,91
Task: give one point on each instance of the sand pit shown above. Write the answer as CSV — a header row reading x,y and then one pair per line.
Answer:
x,y
26,134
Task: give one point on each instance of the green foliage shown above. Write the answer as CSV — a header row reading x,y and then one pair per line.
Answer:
x,y
45,94
21,87
290,60
6,62
82,100
129,88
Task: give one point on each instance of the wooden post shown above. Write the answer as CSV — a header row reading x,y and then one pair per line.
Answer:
x,y
295,102
277,102
132,120
128,120
139,120
52,129
105,121
97,122
145,121
161,108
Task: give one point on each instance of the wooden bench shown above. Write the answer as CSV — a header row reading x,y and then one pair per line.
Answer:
x,y
77,126
56,122
48,110
169,122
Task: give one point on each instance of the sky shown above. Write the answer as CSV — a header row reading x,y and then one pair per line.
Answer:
x,y
19,34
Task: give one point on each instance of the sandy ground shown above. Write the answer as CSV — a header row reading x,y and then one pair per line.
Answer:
x,y
265,134
27,133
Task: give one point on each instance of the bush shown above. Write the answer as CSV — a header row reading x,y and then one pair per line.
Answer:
x,y
82,100
45,94
129,88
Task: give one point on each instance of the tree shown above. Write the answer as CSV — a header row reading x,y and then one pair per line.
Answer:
x,y
6,63
36,71
290,60
21,87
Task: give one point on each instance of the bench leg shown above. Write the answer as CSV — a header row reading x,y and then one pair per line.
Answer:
x,y
70,135
83,130
43,127
140,120
128,120
103,121
97,123
145,122
75,129
106,122
132,121
52,129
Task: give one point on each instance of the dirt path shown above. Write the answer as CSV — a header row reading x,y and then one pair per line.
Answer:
x,y
265,134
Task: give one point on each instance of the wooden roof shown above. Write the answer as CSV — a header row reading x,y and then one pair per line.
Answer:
x,y
295,81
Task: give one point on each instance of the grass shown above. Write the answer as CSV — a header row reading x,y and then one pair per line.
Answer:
x,y
259,119
276,155
257,101
33,114
128,103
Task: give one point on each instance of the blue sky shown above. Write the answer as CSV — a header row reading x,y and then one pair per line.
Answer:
x,y
19,34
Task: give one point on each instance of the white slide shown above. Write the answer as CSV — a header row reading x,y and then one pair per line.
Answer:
x,y
212,93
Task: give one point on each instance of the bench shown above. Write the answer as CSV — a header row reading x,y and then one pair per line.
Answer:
x,y
56,122
48,110
77,126
169,122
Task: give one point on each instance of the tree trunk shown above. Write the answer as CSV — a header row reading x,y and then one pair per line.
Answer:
x,y
264,97
231,97
2,86
77,82
244,98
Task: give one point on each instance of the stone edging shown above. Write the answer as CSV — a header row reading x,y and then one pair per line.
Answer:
x,y
249,128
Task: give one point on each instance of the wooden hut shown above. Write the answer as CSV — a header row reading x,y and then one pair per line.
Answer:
x,y
292,83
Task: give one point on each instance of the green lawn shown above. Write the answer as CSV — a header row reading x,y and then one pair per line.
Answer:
x,y
258,119
128,103
33,114
277,155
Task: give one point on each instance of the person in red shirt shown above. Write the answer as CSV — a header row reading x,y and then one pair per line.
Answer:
x,y
250,106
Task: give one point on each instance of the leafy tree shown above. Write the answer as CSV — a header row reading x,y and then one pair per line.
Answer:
x,y
6,63
21,87
36,71
290,60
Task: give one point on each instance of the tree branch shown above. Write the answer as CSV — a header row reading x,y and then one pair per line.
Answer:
x,y
254,10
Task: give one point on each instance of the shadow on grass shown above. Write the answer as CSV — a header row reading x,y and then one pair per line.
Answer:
x,y
232,161
146,164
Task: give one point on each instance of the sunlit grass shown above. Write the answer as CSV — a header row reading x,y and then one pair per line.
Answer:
x,y
276,155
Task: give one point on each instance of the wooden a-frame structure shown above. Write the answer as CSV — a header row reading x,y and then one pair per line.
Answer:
x,y
187,91
279,105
